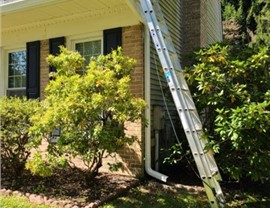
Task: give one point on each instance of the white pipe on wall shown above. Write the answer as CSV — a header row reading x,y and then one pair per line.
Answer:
x,y
148,158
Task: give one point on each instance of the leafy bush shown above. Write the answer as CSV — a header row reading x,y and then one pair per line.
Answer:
x,y
253,18
231,87
15,116
230,13
90,110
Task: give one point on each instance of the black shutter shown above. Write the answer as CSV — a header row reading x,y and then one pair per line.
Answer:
x,y
112,39
54,49
33,69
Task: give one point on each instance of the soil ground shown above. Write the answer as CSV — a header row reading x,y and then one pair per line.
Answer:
x,y
69,185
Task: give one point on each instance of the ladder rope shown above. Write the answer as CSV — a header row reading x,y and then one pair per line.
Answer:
x,y
165,103
173,125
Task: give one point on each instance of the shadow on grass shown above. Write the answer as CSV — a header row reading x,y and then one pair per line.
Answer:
x,y
248,200
159,198
248,195
163,196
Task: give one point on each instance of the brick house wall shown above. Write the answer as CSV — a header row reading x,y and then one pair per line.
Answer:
x,y
133,46
188,26
191,28
201,25
44,67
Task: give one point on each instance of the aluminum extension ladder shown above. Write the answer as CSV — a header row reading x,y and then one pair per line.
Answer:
x,y
188,114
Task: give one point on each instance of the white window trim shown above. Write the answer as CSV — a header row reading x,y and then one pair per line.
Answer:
x,y
72,40
6,52
87,40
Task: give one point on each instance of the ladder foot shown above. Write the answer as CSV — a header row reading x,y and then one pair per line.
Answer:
x,y
221,200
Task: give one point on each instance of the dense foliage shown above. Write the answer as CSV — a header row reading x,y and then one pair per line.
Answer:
x,y
231,88
253,17
15,116
88,110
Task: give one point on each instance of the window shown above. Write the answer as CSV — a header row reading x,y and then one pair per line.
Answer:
x,y
88,49
16,73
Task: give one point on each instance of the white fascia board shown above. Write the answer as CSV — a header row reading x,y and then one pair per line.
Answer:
x,y
23,4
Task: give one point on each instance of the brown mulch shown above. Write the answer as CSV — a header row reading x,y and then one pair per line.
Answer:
x,y
69,187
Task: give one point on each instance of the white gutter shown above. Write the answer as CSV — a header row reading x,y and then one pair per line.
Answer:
x,y
148,158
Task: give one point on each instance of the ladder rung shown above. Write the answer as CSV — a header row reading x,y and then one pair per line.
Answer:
x,y
179,88
193,130
169,44
188,114
164,29
187,109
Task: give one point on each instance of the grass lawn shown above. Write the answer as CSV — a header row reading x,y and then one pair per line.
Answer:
x,y
248,200
147,197
159,199
18,202
151,194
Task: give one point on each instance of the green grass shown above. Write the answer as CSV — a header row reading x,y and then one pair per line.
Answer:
x,y
248,200
137,198
18,202
179,200
147,196
159,199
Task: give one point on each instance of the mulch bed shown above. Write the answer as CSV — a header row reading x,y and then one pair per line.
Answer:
x,y
67,188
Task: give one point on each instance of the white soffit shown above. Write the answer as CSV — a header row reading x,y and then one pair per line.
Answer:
x,y
45,11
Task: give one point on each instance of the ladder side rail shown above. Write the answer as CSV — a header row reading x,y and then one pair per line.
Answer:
x,y
163,29
170,76
200,158
161,49
158,32
210,159
195,143
186,117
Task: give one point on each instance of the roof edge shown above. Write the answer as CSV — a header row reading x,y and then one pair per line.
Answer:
x,y
14,6
135,7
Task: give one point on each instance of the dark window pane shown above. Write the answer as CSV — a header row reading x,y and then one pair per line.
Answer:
x,y
97,48
11,82
18,82
87,48
79,48
11,70
17,92
23,81
21,69
16,69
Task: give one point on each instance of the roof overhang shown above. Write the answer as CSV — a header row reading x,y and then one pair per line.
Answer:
x,y
23,13
10,6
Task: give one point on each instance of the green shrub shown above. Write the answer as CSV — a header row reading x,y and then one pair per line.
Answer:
x,y
252,16
15,116
231,87
90,110
230,13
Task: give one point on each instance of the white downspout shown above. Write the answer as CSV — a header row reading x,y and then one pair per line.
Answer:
x,y
148,167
